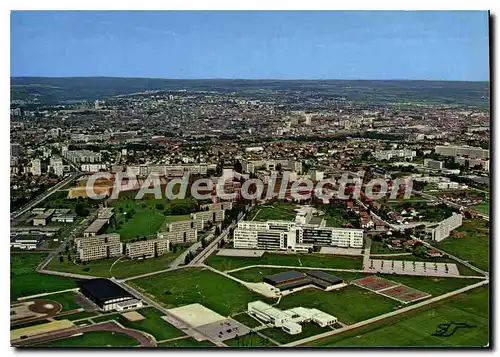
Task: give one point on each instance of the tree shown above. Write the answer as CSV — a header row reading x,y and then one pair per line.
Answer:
x,y
69,258
203,242
187,259
160,206
61,258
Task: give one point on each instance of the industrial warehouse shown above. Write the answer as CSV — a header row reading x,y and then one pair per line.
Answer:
x,y
107,295
293,279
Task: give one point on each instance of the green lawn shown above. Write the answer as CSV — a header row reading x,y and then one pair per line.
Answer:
x,y
94,339
474,247
415,329
246,320
350,304
67,300
249,340
124,268
268,213
194,285
24,281
482,207
77,316
280,336
309,260
152,324
255,275
149,217
186,342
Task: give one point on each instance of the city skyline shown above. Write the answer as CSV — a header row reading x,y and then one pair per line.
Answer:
x,y
381,45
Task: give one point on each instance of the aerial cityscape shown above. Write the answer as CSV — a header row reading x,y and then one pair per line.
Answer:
x,y
249,179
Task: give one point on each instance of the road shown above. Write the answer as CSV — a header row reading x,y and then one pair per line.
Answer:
x,y
451,204
75,232
385,316
153,303
212,246
44,195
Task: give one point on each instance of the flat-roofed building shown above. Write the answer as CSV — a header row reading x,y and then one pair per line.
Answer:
x,y
98,247
209,216
180,236
96,227
106,294
26,242
43,218
216,206
147,249
443,229
197,224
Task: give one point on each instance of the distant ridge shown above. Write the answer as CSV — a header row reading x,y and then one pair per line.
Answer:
x,y
54,90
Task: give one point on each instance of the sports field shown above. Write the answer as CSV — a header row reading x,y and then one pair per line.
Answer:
x,y
417,327
124,268
474,247
67,300
152,324
309,260
25,281
94,339
195,285
350,304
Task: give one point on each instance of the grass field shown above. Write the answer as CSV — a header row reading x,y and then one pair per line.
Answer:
x,y
94,339
186,342
255,275
268,213
474,247
309,260
416,328
194,285
152,324
432,285
249,340
280,336
77,316
482,207
350,304
25,281
246,320
67,300
124,268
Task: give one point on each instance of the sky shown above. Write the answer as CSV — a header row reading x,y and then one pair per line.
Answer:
x,y
444,45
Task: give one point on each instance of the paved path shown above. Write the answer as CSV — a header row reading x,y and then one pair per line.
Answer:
x,y
384,316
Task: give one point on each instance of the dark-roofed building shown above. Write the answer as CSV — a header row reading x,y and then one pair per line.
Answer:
x,y
287,280
104,293
324,280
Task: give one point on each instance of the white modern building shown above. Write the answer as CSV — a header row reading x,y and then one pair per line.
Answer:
x,y
443,229
395,153
289,320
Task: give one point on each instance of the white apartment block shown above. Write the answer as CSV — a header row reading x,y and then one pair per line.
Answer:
x,y
179,237
98,247
433,164
468,151
36,167
197,224
485,164
285,235
209,216
443,228
148,248
395,153
93,167
167,170
57,165
250,166
82,156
